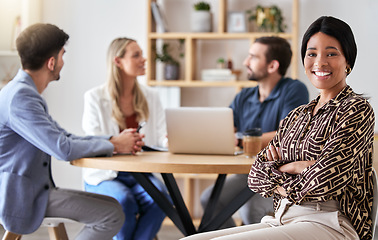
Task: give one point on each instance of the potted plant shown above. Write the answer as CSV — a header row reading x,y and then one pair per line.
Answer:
x,y
267,18
171,65
220,63
201,19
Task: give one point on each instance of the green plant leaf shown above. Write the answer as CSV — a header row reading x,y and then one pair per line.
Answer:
x,y
202,6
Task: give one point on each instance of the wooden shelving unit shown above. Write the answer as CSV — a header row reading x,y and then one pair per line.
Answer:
x,y
190,70
221,34
30,13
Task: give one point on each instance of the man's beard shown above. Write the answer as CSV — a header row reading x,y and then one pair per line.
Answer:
x,y
252,77
56,73
56,77
257,77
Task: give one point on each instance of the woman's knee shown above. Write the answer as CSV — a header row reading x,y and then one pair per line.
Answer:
x,y
155,212
128,203
120,192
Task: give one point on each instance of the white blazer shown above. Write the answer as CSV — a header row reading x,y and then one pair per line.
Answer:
x,y
98,120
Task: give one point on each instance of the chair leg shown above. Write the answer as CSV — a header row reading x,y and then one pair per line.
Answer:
x,y
58,233
11,236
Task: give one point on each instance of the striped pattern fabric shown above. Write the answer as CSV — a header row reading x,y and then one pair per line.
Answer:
x,y
340,138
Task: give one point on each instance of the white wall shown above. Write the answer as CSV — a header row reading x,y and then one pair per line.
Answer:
x,y
362,18
92,24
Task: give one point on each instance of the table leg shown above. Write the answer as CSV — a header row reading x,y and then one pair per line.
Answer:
x,y
178,211
161,200
228,211
179,203
213,201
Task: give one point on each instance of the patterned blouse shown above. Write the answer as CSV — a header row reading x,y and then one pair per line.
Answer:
x,y
340,138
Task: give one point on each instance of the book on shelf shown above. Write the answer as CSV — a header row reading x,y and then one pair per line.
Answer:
x,y
217,75
159,17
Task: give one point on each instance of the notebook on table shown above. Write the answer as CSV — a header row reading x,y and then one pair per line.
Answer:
x,y
200,130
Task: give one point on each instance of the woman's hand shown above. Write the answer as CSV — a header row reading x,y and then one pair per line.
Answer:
x,y
292,168
281,191
139,143
273,153
128,141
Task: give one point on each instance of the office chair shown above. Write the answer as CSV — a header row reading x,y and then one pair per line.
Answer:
x,y
57,230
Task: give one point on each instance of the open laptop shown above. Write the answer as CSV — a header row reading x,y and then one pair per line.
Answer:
x,y
200,130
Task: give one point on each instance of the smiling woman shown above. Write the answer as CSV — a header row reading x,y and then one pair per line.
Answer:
x,y
328,57
325,66
318,167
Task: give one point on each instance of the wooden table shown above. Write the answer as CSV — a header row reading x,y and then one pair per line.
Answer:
x,y
166,164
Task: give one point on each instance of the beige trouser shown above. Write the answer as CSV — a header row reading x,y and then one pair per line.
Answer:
x,y
310,221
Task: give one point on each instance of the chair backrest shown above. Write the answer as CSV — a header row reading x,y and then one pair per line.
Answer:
x,y
375,203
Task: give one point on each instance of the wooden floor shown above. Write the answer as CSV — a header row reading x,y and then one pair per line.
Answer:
x,y
167,232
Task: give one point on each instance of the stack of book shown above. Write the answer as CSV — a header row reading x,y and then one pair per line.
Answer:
x,y
217,75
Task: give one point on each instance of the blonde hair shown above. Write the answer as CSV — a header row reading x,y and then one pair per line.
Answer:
x,y
118,49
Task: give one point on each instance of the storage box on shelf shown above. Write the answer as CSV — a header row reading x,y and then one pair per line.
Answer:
x,y
191,40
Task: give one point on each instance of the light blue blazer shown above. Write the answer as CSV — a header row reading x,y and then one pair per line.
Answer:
x,y
28,139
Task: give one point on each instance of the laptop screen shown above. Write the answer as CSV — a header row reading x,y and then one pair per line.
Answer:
x,y
200,130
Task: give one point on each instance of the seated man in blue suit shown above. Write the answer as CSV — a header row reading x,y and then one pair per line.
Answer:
x,y
29,137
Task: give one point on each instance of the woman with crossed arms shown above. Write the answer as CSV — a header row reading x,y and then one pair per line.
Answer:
x,y
318,167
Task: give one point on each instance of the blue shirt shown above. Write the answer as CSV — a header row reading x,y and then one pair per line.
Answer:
x,y
249,112
28,139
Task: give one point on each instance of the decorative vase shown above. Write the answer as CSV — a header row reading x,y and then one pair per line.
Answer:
x,y
201,21
171,71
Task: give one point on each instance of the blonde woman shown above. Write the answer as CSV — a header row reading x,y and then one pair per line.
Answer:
x,y
121,104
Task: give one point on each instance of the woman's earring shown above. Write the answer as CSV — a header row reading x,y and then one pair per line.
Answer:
x,y
348,70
